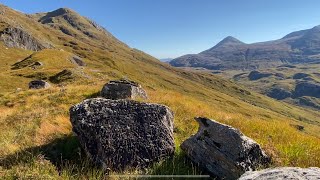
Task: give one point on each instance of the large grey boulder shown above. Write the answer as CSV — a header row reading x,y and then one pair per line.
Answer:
x,y
38,84
283,173
123,134
223,151
123,89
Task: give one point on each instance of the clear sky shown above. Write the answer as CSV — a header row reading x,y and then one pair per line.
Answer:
x,y
170,28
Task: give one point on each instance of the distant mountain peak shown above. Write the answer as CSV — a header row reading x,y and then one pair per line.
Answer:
x,y
225,43
229,40
62,11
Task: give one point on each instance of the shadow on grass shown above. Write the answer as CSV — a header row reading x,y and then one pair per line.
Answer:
x,y
61,152
67,156
93,95
179,164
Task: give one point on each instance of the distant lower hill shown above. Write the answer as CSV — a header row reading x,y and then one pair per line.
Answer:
x,y
166,59
295,48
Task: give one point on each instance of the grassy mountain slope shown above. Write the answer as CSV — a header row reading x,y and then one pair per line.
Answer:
x,y
35,133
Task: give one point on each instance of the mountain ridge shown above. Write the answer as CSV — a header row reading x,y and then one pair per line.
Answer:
x,y
296,47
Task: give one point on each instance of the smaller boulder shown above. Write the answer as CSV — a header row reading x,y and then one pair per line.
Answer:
x,y
38,84
123,89
283,173
223,151
298,127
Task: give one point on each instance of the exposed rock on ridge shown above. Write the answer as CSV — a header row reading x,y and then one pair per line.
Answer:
x,y
16,37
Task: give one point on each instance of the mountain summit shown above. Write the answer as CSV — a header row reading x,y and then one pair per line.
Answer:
x,y
294,48
229,41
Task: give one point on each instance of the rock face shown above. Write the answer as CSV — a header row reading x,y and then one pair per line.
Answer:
x,y
279,93
256,75
77,60
123,89
283,173
38,84
223,151
307,89
123,134
15,37
309,102
300,75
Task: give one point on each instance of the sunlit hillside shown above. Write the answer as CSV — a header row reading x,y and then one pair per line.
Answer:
x,y
36,140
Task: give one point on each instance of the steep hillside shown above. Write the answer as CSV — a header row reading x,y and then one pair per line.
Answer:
x,y
295,48
35,132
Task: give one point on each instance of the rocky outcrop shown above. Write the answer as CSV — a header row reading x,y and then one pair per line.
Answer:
x,y
123,89
63,76
38,84
283,173
279,93
300,75
280,76
306,88
223,151
78,61
123,134
256,75
309,102
16,37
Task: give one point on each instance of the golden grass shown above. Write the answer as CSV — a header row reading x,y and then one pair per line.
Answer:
x,y
44,117
58,126
287,145
35,132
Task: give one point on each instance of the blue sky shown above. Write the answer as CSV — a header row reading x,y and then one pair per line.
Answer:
x,y
170,28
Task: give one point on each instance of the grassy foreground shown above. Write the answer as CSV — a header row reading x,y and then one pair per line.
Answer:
x,y
36,140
